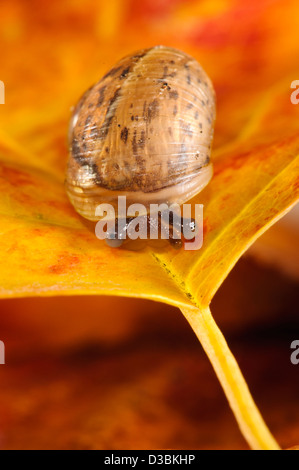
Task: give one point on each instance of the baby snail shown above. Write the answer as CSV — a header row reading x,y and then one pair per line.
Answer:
x,y
143,131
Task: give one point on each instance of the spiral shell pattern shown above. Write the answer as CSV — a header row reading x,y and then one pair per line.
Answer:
x,y
144,130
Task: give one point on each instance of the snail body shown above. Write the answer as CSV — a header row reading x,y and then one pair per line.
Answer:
x,y
143,131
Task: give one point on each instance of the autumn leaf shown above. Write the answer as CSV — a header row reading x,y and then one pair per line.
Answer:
x,y
47,249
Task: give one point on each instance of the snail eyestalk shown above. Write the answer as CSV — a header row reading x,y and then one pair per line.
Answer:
x,y
176,230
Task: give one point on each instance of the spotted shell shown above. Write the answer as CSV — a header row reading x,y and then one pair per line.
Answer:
x,y
144,131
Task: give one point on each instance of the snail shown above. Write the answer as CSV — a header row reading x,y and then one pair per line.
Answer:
x,y
143,131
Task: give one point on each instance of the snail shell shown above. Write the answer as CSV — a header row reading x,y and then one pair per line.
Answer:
x,y
144,131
